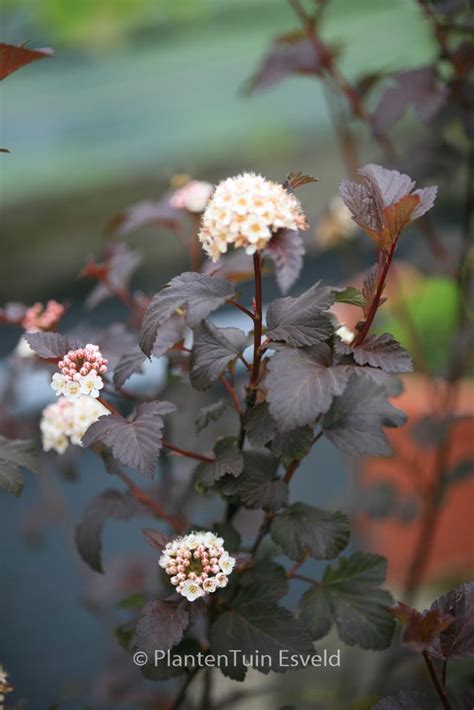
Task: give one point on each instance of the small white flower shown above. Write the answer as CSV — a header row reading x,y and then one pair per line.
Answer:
x,y
346,334
209,585
91,384
58,383
210,539
255,229
226,563
221,579
191,590
72,390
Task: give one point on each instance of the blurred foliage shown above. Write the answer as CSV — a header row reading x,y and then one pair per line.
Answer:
x,y
432,308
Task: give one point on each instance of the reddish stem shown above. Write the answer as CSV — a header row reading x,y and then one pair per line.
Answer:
x,y
109,406
236,304
139,494
359,339
257,316
187,453
439,688
232,393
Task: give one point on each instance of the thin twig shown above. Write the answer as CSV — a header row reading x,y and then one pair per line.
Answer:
x,y
236,304
187,453
232,393
139,494
439,688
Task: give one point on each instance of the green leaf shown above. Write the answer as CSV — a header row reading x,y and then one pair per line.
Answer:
x,y
228,460
258,626
209,414
213,350
349,595
350,295
15,453
303,531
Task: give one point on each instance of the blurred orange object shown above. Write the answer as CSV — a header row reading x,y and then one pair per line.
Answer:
x,y
412,470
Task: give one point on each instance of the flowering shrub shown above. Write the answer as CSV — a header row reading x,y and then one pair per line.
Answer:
x,y
294,376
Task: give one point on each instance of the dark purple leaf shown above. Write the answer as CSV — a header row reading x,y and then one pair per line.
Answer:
x,y
301,321
132,361
286,250
291,54
260,425
301,385
261,625
15,453
145,214
108,504
355,420
457,641
349,597
258,486
136,442
229,460
418,88
209,414
14,57
161,625
155,538
294,444
116,272
269,576
213,350
304,531
198,293
50,345
381,351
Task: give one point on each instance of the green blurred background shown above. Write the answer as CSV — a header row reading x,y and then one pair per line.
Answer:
x,y
142,89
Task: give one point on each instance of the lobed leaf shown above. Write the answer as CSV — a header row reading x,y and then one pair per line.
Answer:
x,y
161,625
301,321
15,453
286,250
209,414
108,504
355,420
213,350
258,486
457,641
348,596
350,295
304,531
228,460
200,294
261,625
136,442
381,351
260,426
301,385
290,445
50,345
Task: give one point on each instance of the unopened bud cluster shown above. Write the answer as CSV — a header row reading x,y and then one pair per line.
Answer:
x,y
193,196
40,317
65,422
80,373
247,211
197,564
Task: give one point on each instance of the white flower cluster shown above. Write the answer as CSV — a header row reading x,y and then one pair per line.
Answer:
x,y
197,564
80,373
65,422
246,211
193,196
5,686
